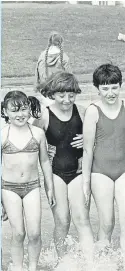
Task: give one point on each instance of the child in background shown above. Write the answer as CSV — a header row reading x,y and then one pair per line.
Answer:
x,y
51,60
22,146
104,151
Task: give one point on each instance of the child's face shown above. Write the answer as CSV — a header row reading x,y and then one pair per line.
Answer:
x,y
110,92
17,117
65,100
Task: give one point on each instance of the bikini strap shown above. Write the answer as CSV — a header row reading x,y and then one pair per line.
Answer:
x,y
30,129
8,133
6,137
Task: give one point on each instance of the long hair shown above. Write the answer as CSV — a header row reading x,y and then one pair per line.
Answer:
x,y
55,39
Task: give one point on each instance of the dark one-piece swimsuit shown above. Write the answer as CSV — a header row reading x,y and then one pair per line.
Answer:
x,y
109,151
59,136
22,189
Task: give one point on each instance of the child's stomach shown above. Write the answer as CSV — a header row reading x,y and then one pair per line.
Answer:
x,y
20,167
65,159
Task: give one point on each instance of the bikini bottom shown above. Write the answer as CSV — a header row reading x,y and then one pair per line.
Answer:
x,y
67,177
21,189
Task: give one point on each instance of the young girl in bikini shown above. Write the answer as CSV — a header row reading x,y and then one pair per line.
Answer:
x,y
104,151
22,146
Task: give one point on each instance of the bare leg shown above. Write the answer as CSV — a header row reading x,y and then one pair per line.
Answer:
x,y
80,215
120,199
103,193
61,214
13,206
32,209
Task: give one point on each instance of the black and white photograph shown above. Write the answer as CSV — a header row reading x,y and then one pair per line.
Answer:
x,y
63,135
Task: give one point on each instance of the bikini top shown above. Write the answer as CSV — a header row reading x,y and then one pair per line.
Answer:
x,y
10,148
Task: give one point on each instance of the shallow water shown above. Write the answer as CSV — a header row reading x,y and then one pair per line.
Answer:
x,y
104,259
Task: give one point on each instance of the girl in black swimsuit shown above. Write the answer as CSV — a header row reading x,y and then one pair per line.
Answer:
x,y
63,126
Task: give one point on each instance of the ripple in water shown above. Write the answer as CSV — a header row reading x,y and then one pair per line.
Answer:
x,y
105,259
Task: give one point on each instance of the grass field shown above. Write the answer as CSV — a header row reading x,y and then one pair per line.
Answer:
x,y
90,34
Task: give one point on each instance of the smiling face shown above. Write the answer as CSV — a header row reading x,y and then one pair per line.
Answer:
x,y
64,100
109,92
18,116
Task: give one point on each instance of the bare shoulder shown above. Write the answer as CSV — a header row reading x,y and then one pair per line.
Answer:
x,y
36,131
91,113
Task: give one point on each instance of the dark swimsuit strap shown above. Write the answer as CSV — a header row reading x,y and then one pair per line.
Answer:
x,y
74,111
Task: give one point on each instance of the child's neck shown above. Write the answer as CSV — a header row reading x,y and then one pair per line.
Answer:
x,y
111,107
19,128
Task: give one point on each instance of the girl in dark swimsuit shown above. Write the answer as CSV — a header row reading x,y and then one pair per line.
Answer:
x,y
22,145
104,151
63,127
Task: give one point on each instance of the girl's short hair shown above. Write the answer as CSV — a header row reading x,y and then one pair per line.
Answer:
x,y
19,99
107,74
61,82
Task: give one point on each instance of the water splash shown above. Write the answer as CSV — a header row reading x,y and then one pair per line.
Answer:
x,y
105,258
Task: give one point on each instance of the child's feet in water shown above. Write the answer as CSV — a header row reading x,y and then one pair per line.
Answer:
x,y
102,248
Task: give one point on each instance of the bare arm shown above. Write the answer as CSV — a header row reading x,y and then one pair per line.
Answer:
x,y
89,131
47,170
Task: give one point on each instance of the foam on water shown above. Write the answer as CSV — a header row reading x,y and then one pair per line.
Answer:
x,y
105,258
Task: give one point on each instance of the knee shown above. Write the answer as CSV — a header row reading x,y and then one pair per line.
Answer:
x,y
34,236
19,236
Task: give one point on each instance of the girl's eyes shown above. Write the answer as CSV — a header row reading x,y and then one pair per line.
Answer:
x,y
61,96
16,109
105,89
70,96
115,88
